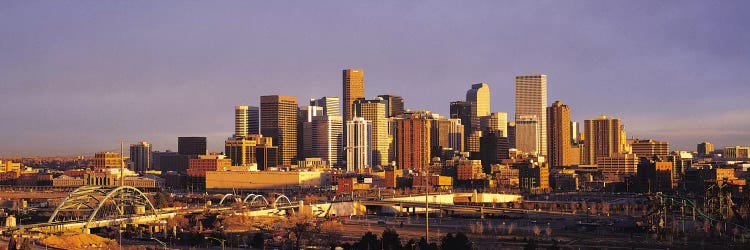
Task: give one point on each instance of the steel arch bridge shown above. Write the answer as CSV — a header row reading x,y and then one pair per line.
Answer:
x,y
91,203
256,200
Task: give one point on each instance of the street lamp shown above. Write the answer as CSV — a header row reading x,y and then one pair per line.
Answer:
x,y
219,240
160,242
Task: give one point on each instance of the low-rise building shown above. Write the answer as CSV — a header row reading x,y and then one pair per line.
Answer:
x,y
253,180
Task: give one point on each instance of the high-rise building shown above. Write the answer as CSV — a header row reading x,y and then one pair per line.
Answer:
x,y
479,99
618,163
104,160
240,150
446,133
326,135
253,120
330,105
140,155
531,100
473,145
375,111
558,137
705,148
191,146
575,130
603,137
394,105
737,152
304,130
493,149
354,88
266,154
462,110
240,121
649,148
412,141
279,121
358,144
497,121
479,95
512,134
527,134
170,161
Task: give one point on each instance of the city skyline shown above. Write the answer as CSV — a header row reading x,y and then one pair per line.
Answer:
x,y
70,86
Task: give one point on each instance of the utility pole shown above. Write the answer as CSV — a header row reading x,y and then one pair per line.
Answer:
x,y
427,206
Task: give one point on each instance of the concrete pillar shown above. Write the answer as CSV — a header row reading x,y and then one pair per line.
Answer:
x,y
481,212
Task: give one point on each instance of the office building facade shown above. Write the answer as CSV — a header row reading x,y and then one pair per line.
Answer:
x,y
279,121
531,100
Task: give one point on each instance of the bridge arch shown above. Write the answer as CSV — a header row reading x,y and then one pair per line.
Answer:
x,y
281,198
231,196
256,199
87,203
248,197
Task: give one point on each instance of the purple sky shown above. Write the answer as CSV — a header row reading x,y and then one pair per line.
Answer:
x,y
78,77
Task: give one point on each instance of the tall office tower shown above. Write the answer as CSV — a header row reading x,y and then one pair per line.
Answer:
x,y
558,137
527,134
240,121
104,160
330,105
462,110
412,141
603,137
253,120
354,88
304,130
473,144
512,134
240,150
394,105
358,144
375,111
279,121
497,121
531,99
574,131
327,139
494,148
140,155
479,99
266,154
446,133
649,148
705,148
191,146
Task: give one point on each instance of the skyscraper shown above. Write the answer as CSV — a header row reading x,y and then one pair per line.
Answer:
x,y
412,141
494,148
446,133
574,131
375,112
279,121
191,146
479,99
240,150
359,144
558,139
330,105
462,110
140,155
354,88
531,100
327,135
527,134
602,137
497,121
394,105
240,121
705,148
253,120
